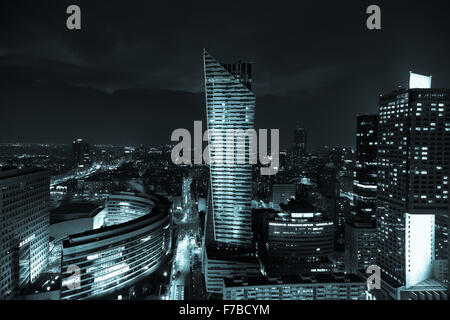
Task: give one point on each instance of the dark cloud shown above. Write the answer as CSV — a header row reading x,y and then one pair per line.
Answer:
x,y
134,71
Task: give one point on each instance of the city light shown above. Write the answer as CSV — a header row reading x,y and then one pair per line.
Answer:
x,y
136,164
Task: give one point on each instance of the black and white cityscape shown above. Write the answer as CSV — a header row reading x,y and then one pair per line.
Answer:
x,y
214,151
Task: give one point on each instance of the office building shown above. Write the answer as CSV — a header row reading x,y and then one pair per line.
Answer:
x,y
360,245
99,262
222,263
413,181
24,209
340,214
334,286
122,207
81,153
299,147
365,175
299,239
230,108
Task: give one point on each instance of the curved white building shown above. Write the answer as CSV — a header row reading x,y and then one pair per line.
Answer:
x,y
132,245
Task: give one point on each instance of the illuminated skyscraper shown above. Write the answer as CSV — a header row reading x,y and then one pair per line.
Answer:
x,y
360,245
230,106
299,239
299,148
81,153
413,176
25,223
365,178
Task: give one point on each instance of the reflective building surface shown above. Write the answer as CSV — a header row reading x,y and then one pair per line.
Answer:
x,y
230,106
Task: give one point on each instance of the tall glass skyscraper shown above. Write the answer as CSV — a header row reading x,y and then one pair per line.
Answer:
x,y
230,108
365,176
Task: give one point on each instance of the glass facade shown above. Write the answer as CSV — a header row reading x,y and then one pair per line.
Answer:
x,y
125,207
98,262
230,105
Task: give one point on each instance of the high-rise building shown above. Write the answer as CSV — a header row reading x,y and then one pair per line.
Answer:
x,y
413,181
25,224
360,245
327,183
81,153
365,175
300,136
299,147
230,107
340,215
299,239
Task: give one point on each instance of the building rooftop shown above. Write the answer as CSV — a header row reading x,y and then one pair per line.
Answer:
x,y
158,212
299,210
73,211
231,253
297,279
9,172
363,224
298,206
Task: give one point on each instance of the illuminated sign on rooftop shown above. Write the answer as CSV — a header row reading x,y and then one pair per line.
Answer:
x,y
418,81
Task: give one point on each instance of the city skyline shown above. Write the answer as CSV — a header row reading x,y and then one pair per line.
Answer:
x,y
146,170
313,227
115,61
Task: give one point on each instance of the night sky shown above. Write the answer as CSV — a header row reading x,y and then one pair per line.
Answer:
x,y
134,73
